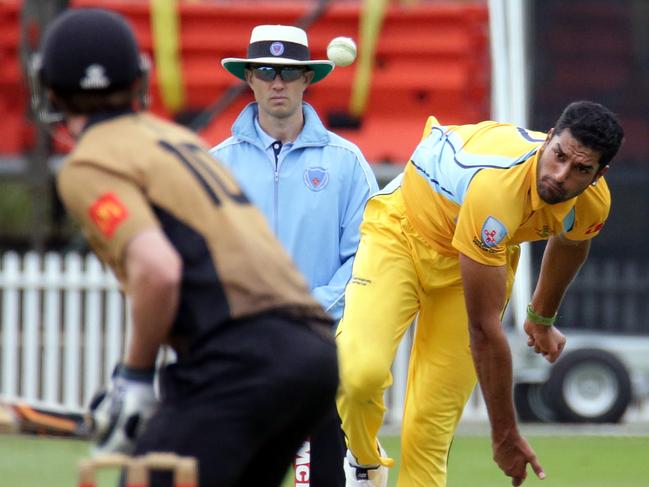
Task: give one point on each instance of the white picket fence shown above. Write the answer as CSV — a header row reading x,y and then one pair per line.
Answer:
x,y
64,325
63,328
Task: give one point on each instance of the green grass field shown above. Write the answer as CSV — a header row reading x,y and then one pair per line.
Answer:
x,y
569,461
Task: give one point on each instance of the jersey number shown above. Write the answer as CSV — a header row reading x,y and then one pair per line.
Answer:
x,y
206,170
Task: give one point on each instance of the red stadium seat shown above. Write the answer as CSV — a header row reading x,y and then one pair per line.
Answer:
x,y
431,58
13,94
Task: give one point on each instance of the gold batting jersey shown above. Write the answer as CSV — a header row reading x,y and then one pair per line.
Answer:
x,y
472,189
135,171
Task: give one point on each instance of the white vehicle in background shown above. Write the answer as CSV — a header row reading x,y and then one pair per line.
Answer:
x,y
596,379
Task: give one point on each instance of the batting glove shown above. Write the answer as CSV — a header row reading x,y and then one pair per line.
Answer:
x,y
120,413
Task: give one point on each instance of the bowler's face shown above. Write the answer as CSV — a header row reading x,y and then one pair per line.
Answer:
x,y
278,98
566,168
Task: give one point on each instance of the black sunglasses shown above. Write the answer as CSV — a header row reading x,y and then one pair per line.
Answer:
x,y
286,73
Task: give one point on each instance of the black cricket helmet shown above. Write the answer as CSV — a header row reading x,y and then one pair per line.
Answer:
x,y
85,51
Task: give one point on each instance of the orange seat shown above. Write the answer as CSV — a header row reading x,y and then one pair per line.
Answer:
x,y
431,58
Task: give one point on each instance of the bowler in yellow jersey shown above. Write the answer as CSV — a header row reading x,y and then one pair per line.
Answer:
x,y
440,244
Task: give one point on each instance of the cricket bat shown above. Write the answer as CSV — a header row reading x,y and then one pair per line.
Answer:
x,y
20,416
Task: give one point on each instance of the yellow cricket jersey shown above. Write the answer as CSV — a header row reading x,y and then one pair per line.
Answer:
x,y
472,189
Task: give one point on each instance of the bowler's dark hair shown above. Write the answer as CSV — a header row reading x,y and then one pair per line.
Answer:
x,y
594,126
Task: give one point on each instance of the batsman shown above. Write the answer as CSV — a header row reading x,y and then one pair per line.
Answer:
x,y
256,364
440,244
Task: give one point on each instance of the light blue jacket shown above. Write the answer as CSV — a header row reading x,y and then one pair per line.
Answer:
x,y
313,197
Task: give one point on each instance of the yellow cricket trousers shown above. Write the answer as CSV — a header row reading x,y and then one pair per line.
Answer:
x,y
396,277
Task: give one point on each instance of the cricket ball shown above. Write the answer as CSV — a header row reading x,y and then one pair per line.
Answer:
x,y
342,51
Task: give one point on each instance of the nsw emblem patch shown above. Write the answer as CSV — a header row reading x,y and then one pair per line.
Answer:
x,y
316,178
277,48
493,232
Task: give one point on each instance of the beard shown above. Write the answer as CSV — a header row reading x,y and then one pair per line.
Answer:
x,y
550,191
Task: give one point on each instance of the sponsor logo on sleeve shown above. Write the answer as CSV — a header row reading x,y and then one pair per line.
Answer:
x,y
316,178
108,212
594,228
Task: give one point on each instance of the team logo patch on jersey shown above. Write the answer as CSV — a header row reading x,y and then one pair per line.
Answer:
x,y
107,213
493,232
316,178
277,48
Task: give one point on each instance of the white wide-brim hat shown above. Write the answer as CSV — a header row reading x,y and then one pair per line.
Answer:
x,y
284,45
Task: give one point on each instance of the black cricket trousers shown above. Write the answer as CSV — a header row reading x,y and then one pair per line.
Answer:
x,y
243,402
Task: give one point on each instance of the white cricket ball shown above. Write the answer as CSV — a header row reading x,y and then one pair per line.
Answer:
x,y
341,51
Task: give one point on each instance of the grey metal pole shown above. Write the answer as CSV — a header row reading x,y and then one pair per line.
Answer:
x,y
35,15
